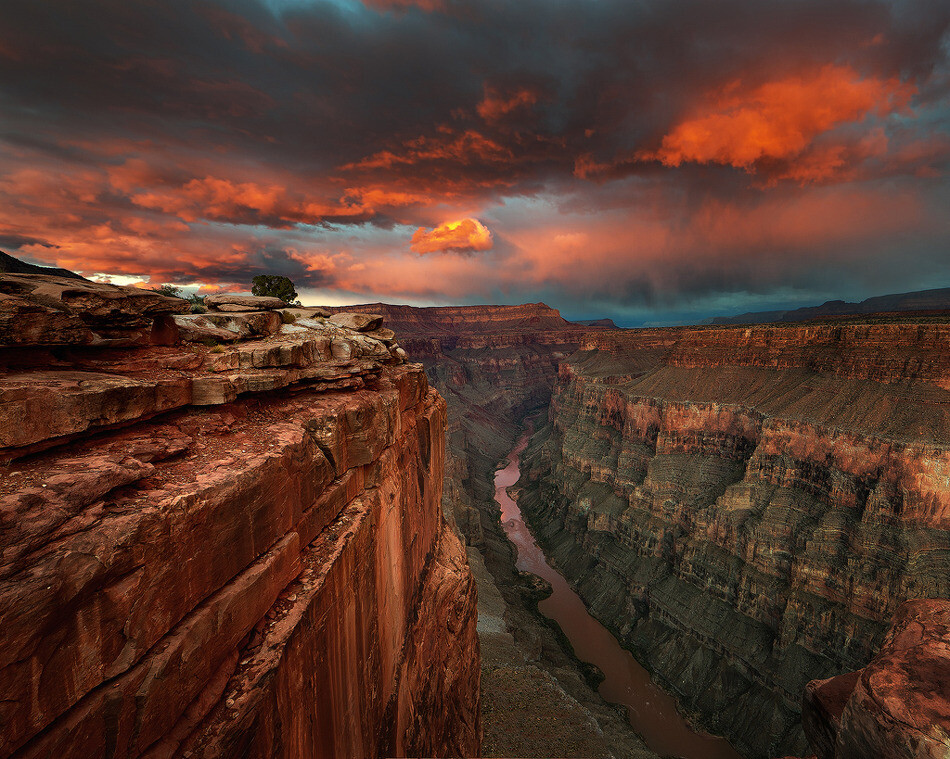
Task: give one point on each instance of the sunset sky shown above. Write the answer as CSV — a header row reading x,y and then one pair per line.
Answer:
x,y
654,162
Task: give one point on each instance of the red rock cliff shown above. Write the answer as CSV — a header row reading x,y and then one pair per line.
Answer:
x,y
235,550
898,707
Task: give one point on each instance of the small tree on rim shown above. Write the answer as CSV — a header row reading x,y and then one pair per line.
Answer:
x,y
274,286
169,291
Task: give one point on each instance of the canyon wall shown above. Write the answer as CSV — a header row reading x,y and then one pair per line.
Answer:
x,y
494,365
747,509
222,535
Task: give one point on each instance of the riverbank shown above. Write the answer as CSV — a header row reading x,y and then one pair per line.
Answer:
x,y
651,711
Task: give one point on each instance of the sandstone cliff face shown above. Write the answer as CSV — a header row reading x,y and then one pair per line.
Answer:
x,y
230,551
748,509
494,365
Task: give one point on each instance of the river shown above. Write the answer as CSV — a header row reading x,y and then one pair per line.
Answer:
x,y
651,710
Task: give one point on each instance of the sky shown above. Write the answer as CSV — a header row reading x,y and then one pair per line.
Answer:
x,y
653,162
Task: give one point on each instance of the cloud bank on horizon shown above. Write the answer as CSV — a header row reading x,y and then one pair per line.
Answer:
x,y
646,161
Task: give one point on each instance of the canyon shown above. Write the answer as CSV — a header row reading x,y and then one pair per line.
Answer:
x,y
751,511
753,505
266,533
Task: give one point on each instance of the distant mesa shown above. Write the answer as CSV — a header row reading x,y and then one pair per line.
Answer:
x,y
435,321
11,265
922,300
609,323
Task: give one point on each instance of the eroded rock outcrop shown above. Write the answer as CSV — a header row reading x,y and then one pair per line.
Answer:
x,y
748,509
37,309
231,302
230,550
897,707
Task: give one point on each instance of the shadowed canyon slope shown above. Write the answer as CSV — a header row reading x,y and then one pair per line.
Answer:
x,y
748,509
222,550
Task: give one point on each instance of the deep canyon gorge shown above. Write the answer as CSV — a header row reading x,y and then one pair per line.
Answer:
x,y
237,534
747,509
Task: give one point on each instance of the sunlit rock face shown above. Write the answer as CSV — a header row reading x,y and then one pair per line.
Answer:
x,y
897,707
229,550
749,508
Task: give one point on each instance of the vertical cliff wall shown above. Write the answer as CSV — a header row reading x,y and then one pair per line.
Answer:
x,y
494,365
227,549
747,509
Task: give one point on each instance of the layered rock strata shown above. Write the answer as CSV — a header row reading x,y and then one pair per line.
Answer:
x,y
230,550
37,309
748,508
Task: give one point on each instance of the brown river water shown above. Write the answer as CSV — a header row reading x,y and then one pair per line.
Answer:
x,y
651,710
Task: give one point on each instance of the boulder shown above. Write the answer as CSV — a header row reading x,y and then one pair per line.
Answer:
x,y
196,328
384,334
230,302
898,707
358,322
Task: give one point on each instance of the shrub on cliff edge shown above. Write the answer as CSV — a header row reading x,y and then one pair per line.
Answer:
x,y
274,286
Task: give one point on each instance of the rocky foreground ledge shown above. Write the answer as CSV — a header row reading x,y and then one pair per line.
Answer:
x,y
221,535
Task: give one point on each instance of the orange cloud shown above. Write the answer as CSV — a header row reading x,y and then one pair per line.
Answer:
x,y
466,148
778,121
372,198
214,198
495,106
822,163
460,236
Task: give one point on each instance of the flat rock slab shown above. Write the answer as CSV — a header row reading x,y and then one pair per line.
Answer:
x,y
38,408
227,302
359,322
196,328
383,334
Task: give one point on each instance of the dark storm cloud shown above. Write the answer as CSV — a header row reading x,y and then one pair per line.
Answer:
x,y
15,242
255,260
322,86
130,132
